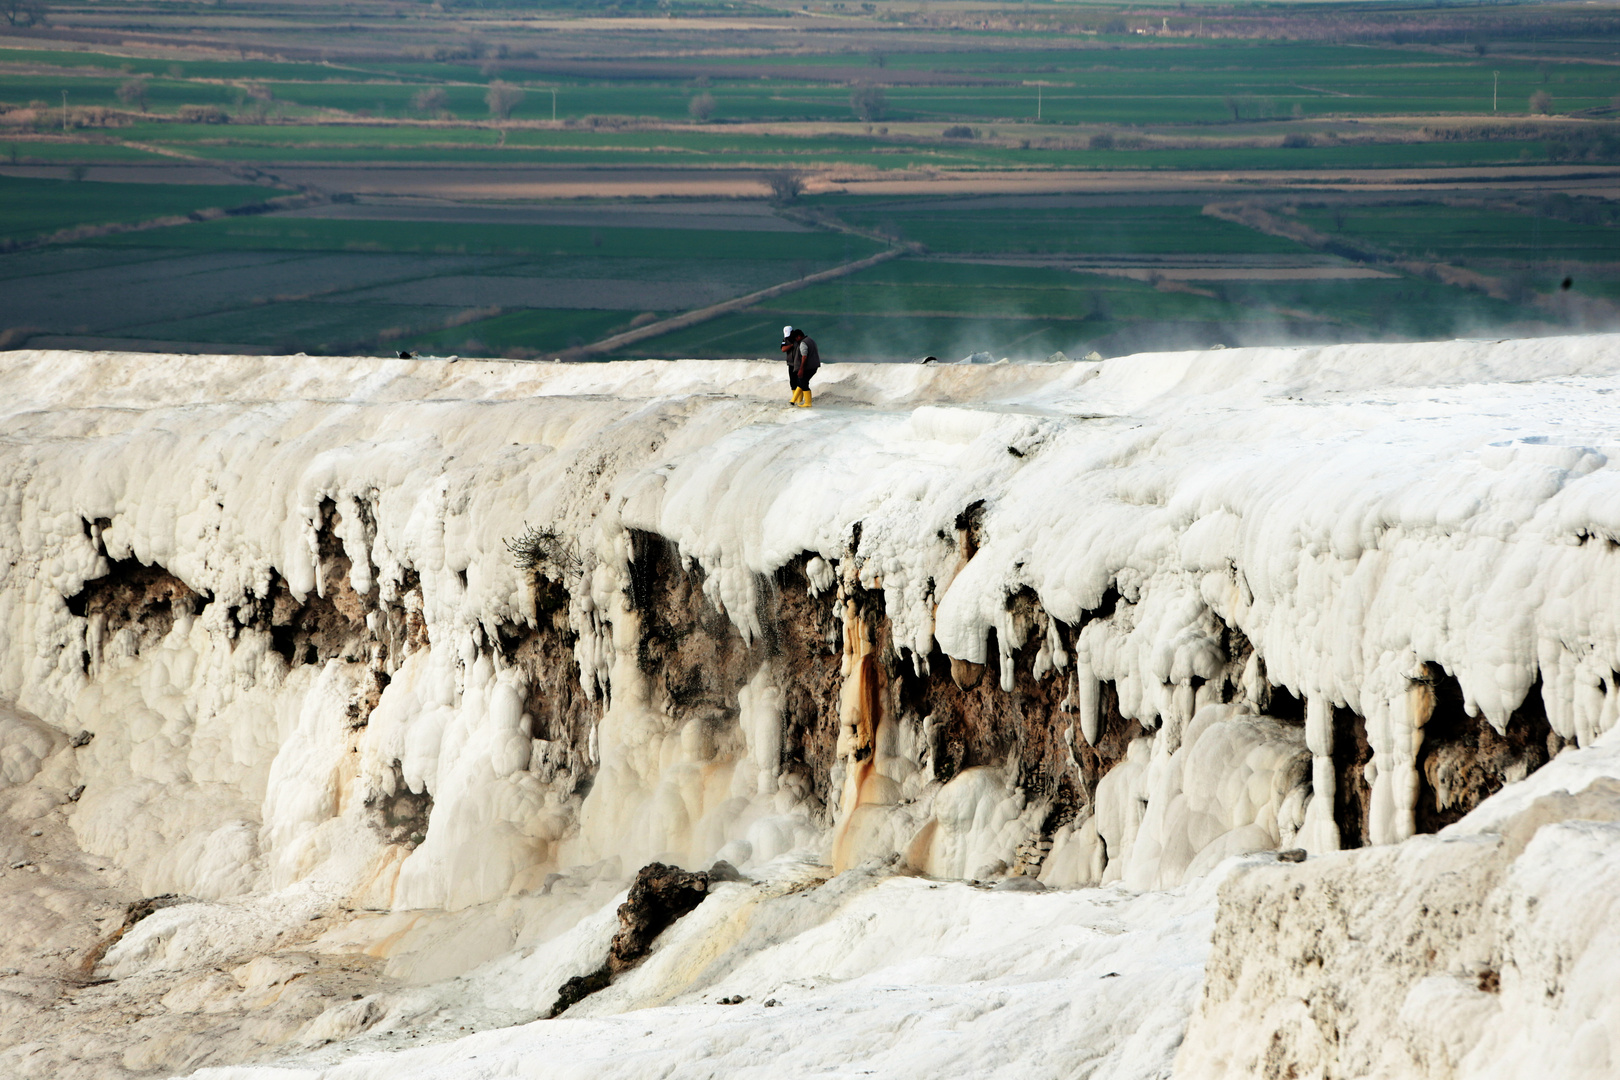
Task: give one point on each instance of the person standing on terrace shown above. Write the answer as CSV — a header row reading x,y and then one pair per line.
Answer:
x,y
802,359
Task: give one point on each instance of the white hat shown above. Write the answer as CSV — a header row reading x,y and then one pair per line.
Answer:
x,y
787,331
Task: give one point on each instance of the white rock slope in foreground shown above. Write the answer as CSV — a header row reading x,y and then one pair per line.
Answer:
x,y
300,762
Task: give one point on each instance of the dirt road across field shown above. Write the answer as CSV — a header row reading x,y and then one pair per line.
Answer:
x,y
735,215
1591,180
164,173
535,182
526,182
511,183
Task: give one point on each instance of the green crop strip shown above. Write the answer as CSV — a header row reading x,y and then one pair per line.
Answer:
x,y
32,208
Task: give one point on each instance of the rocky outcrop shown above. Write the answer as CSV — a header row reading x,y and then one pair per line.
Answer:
x,y
1440,957
659,895
129,607
831,655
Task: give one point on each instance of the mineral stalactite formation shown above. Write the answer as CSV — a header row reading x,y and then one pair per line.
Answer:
x,y
458,649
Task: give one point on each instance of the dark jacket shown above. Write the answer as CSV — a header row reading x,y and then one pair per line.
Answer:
x,y
802,356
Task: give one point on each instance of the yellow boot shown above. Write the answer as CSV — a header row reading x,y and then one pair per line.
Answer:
x,y
797,394
805,402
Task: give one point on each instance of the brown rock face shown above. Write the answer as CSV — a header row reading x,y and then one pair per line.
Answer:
x,y
556,703
1352,795
951,714
975,722
331,623
1464,761
579,988
141,599
693,657
695,661
805,642
660,895
137,606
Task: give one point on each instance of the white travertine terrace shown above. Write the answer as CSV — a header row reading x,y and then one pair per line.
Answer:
x,y
1361,515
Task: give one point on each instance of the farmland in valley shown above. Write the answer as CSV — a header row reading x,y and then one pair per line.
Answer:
x,y
1051,178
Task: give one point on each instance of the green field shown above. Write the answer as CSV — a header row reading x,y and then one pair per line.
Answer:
x,y
523,333
964,228
910,308
887,312
1097,99
35,208
1285,106
886,338
880,321
296,326
719,147
56,152
1468,233
444,238
180,68
163,95
47,260
1172,83
1399,308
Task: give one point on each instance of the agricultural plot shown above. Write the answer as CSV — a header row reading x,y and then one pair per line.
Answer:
x,y
1094,99
1526,251
272,144
37,264
965,228
581,293
283,144
1170,83
294,326
196,138
161,95
1467,234
315,284
332,285
443,238
1394,309
523,333
61,152
890,338
33,208
875,320
911,308
127,65
107,292
401,113
745,275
